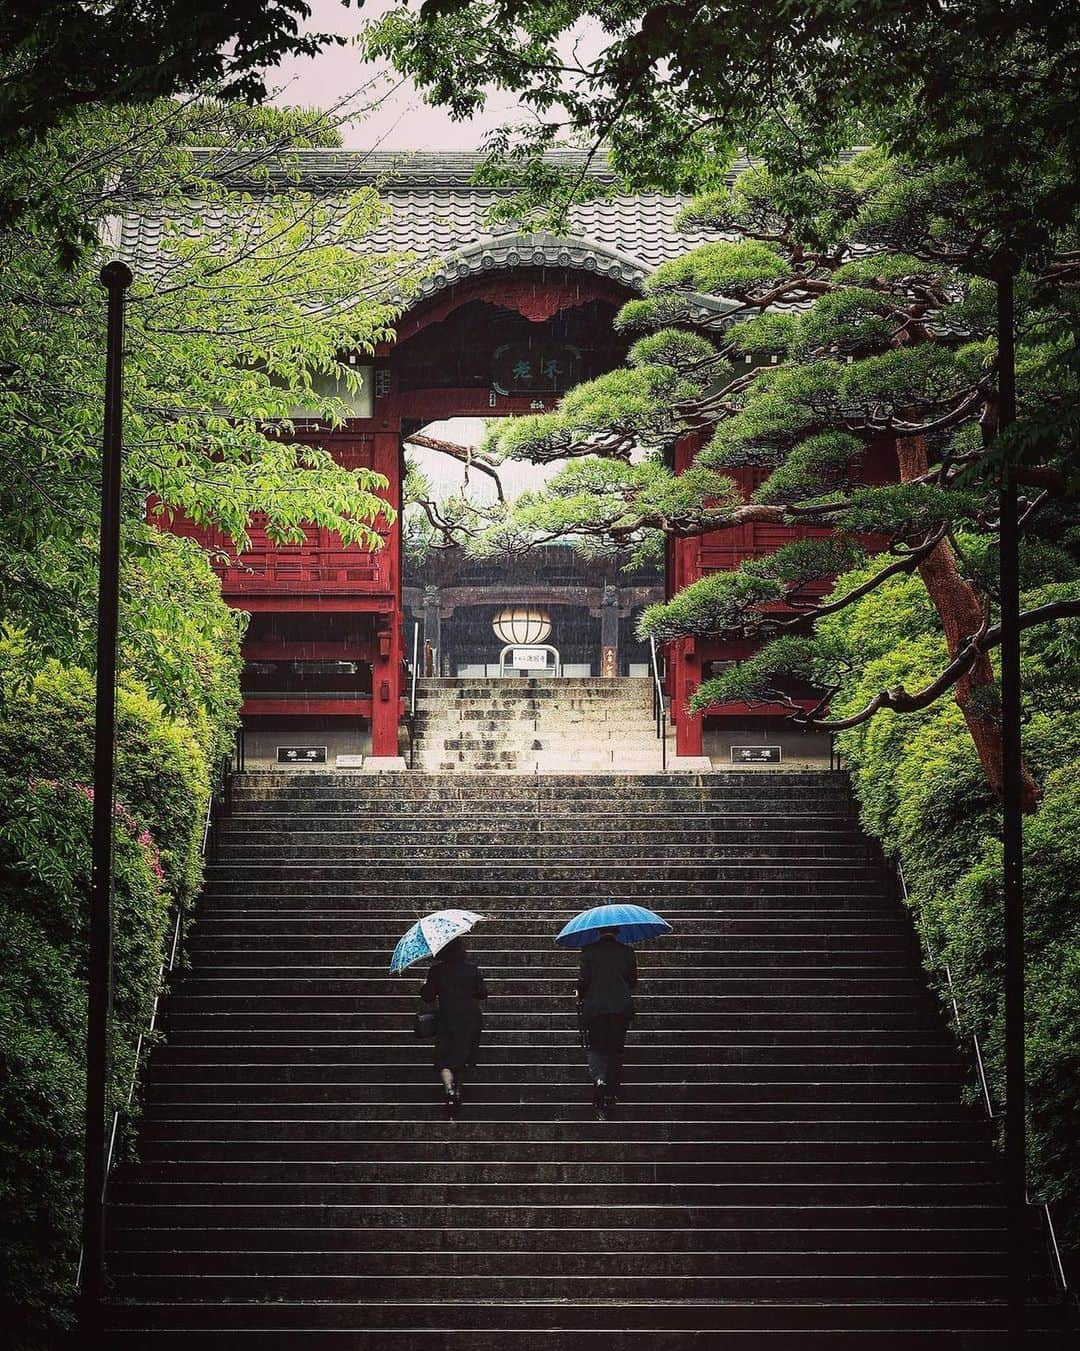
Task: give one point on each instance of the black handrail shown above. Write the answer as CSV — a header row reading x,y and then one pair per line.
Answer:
x,y
219,805
659,705
987,1100
410,717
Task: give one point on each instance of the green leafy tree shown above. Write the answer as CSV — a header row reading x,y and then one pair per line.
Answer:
x,y
836,343
984,90
61,56
252,304
671,90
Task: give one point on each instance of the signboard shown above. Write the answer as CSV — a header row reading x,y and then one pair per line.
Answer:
x,y
535,367
755,755
529,658
349,762
301,755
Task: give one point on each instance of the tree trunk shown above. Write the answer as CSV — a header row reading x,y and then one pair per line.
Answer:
x,y
958,607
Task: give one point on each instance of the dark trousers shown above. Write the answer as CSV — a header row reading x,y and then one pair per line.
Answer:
x,y
605,1041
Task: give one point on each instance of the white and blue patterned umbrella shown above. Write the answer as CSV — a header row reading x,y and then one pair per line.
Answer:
x,y
430,935
633,922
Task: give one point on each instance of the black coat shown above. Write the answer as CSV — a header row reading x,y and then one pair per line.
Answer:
x,y
607,979
457,987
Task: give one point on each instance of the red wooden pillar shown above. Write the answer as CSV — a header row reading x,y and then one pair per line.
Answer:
x,y
386,685
386,663
686,677
684,664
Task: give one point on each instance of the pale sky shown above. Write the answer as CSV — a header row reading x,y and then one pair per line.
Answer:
x,y
403,121
449,477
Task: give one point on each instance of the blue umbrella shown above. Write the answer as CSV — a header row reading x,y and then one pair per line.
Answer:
x,y
633,922
430,935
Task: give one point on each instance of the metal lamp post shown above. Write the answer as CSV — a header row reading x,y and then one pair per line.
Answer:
x,y
1012,830
116,278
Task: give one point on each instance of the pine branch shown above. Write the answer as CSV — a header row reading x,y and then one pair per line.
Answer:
x,y
980,643
466,455
908,563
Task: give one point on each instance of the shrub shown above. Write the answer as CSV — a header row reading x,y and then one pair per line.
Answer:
x,y
44,884
47,732
923,794
968,924
163,774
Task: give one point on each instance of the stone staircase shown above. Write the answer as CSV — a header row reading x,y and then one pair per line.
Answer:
x,y
791,1165
536,726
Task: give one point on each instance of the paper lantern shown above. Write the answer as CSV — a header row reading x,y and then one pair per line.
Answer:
x,y
521,626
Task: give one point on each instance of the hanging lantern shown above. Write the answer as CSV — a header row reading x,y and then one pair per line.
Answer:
x,y
521,626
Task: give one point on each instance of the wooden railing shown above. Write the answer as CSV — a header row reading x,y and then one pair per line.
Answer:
x,y
305,570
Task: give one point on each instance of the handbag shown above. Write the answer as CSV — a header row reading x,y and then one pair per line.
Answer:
x,y
582,1027
426,1021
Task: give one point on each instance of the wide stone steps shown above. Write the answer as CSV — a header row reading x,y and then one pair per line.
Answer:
x,y
173,1149
441,1263
578,1287
552,1047
692,908
588,1315
762,997
537,849
242,1077
357,1023
676,1239
713,795
506,871
473,836
344,933
792,1163
567,891
738,1018
341,1176
341,922
389,1131
715,788
639,1209
295,977
412,1150
346,810
706,1334
345,961
657,1063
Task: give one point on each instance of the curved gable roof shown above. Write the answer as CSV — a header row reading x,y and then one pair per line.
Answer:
x,y
438,212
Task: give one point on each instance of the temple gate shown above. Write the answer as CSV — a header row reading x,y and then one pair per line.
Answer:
x,y
504,327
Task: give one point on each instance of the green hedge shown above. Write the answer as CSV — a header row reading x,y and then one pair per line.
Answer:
x,y
163,769
47,732
44,880
923,794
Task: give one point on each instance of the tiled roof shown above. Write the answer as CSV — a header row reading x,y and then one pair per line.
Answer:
x,y
441,221
437,212
327,170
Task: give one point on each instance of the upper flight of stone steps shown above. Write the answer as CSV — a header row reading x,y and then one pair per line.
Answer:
x,y
529,726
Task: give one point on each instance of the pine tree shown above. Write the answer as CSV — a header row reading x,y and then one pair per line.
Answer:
x,y
857,319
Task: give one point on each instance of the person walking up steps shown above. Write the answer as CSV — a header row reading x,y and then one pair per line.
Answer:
x,y
457,987
607,979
